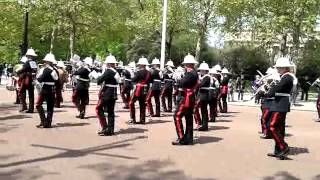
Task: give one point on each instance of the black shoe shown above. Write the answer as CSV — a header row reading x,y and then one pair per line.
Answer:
x,y
103,132
81,116
212,120
29,111
284,153
132,121
203,128
47,126
157,115
125,107
181,143
40,126
273,154
22,110
265,137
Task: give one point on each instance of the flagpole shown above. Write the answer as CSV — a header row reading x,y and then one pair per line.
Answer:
x,y
164,32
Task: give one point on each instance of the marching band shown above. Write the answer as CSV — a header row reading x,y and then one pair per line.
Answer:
x,y
193,91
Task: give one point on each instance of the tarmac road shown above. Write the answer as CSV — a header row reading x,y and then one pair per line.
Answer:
x,y
231,149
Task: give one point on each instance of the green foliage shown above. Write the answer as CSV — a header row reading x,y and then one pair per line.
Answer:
x,y
245,60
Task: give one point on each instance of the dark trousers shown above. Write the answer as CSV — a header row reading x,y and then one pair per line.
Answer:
x,y
223,105
59,98
180,112
277,129
22,95
203,106
106,106
166,94
304,95
156,95
265,121
142,104
46,95
125,95
240,95
318,107
80,99
213,104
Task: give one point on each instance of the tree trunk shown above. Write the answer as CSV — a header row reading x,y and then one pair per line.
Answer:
x,y
72,40
52,38
283,46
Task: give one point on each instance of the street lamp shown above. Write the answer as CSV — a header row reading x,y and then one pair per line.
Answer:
x,y
25,4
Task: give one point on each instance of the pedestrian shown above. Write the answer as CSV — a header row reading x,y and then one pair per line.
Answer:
x,y
47,77
108,96
231,91
26,77
280,107
240,86
186,102
141,79
155,89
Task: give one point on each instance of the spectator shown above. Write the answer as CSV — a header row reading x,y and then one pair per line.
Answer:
x,y
305,86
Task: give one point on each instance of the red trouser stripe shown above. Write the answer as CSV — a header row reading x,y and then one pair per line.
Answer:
x,y
149,103
197,112
274,127
264,120
100,113
179,120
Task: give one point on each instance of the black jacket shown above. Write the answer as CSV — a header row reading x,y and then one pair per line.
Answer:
x,y
83,80
281,94
155,79
109,80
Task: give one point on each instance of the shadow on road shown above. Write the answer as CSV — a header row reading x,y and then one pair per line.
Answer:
x,y
154,169
14,117
158,121
207,140
281,175
296,150
29,173
216,128
70,124
77,153
223,120
5,127
131,131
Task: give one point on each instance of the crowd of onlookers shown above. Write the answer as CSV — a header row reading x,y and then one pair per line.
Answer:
x,y
5,71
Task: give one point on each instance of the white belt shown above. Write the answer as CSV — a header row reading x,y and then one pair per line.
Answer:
x,y
144,85
283,94
180,89
206,88
157,80
127,79
48,83
111,85
81,79
168,80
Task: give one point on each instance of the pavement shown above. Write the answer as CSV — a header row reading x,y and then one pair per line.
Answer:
x,y
231,149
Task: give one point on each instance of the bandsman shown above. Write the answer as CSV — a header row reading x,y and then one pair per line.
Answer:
x,y
203,97
63,78
127,75
280,107
80,97
167,89
47,78
26,76
186,102
141,79
155,88
108,96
